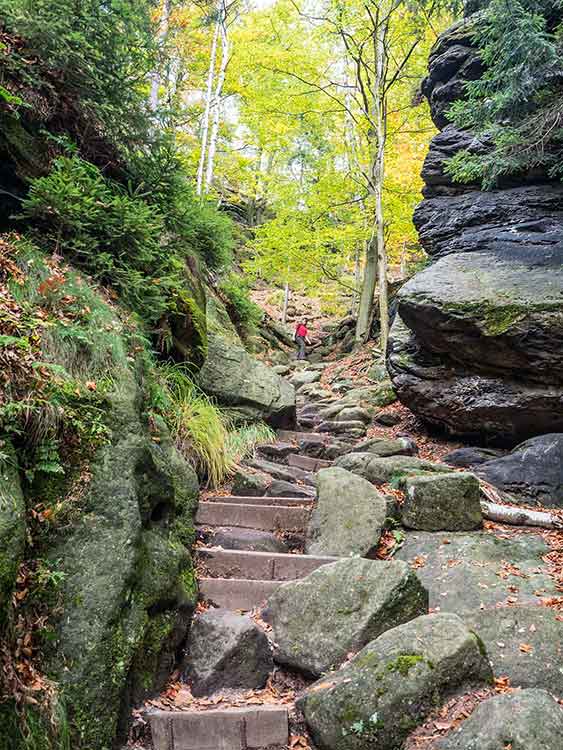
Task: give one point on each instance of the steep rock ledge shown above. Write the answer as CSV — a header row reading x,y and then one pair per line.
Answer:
x,y
477,347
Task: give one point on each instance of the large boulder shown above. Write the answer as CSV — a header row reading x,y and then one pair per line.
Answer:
x,y
448,502
522,643
319,620
349,516
477,347
477,571
388,469
249,388
227,650
391,686
531,473
12,523
520,721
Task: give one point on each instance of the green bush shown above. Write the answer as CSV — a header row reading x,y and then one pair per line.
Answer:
x,y
244,313
136,241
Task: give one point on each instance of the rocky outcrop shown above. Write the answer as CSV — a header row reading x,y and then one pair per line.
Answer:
x,y
318,621
477,348
128,586
12,523
249,388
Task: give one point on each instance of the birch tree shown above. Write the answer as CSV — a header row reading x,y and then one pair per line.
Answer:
x,y
378,38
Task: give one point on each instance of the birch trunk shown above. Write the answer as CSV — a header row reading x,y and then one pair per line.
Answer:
x,y
162,36
217,104
285,303
207,110
381,122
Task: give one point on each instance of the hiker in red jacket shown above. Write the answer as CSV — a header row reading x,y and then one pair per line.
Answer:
x,y
301,337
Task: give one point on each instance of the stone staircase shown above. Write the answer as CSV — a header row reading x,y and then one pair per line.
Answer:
x,y
241,580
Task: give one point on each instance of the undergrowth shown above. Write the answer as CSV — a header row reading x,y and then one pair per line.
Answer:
x,y
204,434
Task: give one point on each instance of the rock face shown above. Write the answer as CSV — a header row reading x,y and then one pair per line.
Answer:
x,y
237,380
226,650
319,620
393,684
532,473
527,719
477,347
12,524
442,502
129,587
349,516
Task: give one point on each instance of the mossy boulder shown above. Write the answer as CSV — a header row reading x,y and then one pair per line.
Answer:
x,y
525,719
349,516
12,522
394,469
250,389
129,589
390,687
319,620
442,502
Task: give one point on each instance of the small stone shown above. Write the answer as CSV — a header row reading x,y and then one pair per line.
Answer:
x,y
442,502
384,448
226,650
250,483
387,418
393,468
353,414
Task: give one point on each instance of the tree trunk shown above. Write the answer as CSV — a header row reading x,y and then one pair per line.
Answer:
x,y
519,516
368,291
217,104
207,110
380,100
162,36
285,302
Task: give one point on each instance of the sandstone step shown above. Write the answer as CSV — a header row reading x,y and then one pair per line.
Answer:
x,y
224,729
260,566
240,500
261,517
307,463
236,593
291,436
281,471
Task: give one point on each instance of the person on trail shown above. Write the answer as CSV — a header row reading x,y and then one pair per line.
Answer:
x,y
301,337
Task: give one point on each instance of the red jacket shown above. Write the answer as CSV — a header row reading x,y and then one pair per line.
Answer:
x,y
301,331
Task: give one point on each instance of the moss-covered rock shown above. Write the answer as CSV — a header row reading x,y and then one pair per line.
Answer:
x,y
390,687
319,620
128,590
250,389
12,522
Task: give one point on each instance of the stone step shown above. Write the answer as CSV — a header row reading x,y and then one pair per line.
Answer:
x,y
259,566
236,593
307,463
239,500
291,436
281,471
248,728
261,517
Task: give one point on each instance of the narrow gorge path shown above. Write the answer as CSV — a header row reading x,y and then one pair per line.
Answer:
x,y
235,692
249,545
